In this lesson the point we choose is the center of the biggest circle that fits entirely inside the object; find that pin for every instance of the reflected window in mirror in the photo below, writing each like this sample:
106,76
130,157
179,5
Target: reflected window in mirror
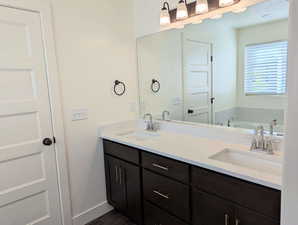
266,68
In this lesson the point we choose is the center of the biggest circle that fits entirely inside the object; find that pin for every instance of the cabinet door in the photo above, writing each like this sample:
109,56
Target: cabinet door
116,192
210,210
131,177
247,217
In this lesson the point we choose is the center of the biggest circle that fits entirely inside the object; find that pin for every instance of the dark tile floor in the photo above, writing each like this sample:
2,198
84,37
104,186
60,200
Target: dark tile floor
112,218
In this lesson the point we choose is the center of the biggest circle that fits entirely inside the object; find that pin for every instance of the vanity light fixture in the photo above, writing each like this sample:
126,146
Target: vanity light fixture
224,3
165,14
182,12
202,6
240,10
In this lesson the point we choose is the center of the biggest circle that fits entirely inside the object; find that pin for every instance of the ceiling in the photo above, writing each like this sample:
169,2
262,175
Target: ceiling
264,12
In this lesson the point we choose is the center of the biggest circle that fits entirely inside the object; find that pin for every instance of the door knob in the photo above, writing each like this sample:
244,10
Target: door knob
47,141
190,111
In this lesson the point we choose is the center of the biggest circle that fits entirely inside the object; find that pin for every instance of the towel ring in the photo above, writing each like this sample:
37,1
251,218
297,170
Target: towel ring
153,84
119,83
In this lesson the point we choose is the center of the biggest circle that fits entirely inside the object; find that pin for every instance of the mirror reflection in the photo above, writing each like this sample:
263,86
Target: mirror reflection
230,71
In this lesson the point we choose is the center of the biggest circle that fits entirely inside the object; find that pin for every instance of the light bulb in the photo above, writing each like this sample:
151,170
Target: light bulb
164,17
165,14
181,10
202,6
224,3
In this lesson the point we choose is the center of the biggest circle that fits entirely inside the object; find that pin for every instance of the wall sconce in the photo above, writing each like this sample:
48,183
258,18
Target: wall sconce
182,12
165,14
224,3
202,6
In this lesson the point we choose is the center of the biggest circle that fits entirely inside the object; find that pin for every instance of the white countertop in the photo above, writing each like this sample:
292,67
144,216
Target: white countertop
195,151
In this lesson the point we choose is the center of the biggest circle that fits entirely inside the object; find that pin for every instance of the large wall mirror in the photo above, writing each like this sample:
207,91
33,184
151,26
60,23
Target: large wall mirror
230,71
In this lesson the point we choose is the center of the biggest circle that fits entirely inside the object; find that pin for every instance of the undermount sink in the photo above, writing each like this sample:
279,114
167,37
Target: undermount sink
140,135
255,161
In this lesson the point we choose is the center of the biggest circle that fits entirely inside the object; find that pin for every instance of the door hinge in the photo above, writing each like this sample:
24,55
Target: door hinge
54,140
211,58
212,100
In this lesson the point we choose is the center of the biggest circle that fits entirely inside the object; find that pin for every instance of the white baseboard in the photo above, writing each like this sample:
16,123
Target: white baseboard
92,213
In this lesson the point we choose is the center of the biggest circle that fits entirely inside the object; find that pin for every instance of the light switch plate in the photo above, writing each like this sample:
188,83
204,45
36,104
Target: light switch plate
79,114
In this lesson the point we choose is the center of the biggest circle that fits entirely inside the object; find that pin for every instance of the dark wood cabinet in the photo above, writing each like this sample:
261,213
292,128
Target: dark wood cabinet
115,183
264,200
168,194
210,210
167,167
123,182
155,190
156,216
247,217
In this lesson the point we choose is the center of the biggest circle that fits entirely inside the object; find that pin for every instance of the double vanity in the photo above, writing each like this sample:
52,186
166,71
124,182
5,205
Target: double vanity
190,175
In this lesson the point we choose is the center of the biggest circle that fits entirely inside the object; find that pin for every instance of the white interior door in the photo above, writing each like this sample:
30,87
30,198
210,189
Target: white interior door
28,173
197,72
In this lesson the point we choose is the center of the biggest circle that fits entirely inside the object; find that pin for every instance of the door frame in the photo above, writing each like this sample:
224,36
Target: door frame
44,9
183,38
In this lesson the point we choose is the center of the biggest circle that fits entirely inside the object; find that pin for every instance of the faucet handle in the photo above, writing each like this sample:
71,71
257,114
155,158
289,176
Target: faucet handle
254,144
269,146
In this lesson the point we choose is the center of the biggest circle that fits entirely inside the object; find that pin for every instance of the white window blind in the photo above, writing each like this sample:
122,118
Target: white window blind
266,68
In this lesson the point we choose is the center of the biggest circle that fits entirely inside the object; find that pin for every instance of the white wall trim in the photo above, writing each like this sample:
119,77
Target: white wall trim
92,213
290,179
44,9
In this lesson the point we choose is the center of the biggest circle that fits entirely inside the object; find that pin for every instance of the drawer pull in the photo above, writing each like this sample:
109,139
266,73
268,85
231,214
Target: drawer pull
161,195
226,219
237,222
116,174
120,175
160,167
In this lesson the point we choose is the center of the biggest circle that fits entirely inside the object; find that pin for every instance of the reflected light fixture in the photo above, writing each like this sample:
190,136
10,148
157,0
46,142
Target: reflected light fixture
165,14
239,10
182,12
224,3
217,16
197,22
202,6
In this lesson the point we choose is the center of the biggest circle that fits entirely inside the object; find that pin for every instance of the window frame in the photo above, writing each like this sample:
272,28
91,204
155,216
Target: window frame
244,70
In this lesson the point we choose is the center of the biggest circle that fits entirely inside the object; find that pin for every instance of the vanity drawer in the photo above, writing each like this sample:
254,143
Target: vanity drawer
168,194
156,216
121,151
165,166
256,197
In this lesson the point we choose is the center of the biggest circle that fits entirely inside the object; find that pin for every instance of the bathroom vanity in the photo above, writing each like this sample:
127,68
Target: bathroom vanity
154,180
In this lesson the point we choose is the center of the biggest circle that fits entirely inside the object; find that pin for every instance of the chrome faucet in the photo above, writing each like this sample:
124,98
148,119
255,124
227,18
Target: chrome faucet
149,123
165,114
261,143
272,125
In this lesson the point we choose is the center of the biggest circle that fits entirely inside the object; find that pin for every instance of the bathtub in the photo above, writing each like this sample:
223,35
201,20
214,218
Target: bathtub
252,125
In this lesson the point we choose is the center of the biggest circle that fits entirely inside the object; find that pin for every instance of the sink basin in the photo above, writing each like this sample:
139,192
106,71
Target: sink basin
139,135
255,161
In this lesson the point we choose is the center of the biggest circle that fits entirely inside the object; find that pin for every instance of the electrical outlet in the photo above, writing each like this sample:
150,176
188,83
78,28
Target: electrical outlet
79,114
